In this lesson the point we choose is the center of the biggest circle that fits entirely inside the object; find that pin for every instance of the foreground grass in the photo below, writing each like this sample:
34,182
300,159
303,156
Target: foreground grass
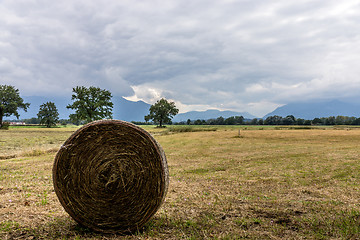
19,141
266,183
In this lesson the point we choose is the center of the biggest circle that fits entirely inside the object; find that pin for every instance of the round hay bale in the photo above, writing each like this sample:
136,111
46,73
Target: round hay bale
111,176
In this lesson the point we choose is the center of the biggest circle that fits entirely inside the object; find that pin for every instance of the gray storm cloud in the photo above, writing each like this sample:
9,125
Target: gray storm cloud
237,55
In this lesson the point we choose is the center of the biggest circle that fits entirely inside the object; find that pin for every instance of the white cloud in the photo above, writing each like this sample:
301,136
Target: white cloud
146,94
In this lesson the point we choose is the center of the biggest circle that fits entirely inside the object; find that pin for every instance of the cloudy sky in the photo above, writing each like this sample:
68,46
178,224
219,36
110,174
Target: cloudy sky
246,55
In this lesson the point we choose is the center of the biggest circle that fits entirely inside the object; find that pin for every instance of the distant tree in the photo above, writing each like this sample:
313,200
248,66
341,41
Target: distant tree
64,122
340,120
330,120
239,120
162,111
90,104
261,121
211,121
188,122
48,114
234,120
33,120
230,121
10,102
198,122
220,121
316,121
349,120
289,120
147,118
356,121
300,121
307,122
273,120
254,121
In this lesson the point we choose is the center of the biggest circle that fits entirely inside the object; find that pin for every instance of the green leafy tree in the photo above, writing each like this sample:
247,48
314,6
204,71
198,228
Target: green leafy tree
162,111
300,121
330,120
147,118
198,122
239,120
10,102
254,121
340,120
230,121
307,122
90,104
48,114
289,120
316,121
273,120
220,120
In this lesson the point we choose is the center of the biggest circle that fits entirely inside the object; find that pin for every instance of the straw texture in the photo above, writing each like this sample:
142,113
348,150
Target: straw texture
111,176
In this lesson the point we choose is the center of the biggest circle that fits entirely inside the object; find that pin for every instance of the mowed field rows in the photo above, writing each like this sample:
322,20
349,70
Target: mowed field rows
266,183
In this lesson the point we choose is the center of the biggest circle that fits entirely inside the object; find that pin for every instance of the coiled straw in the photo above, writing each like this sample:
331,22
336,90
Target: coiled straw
111,176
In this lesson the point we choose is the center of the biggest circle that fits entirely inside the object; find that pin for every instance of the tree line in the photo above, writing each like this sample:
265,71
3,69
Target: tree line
90,104
291,120
234,120
275,120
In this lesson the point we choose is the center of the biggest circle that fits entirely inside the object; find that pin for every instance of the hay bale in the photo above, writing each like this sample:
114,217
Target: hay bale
111,176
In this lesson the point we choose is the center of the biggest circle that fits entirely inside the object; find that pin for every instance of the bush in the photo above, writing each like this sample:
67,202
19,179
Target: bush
5,126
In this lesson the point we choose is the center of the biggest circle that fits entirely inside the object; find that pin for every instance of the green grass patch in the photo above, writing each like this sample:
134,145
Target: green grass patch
176,129
342,225
8,226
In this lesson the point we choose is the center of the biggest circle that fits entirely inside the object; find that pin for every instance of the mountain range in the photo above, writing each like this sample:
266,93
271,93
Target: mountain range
317,109
135,111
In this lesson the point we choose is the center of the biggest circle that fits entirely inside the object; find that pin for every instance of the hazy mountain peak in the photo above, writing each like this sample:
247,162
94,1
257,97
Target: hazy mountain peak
317,108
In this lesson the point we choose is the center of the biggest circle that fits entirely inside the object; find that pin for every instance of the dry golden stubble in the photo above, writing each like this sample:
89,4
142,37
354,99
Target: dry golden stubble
111,176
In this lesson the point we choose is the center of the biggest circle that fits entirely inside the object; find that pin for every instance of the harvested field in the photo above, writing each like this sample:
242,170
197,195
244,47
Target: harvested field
267,183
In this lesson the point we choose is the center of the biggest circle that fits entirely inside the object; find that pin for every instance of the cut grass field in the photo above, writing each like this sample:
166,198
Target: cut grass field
267,183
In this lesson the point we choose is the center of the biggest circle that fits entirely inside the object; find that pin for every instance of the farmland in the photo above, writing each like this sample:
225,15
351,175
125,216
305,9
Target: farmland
257,183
